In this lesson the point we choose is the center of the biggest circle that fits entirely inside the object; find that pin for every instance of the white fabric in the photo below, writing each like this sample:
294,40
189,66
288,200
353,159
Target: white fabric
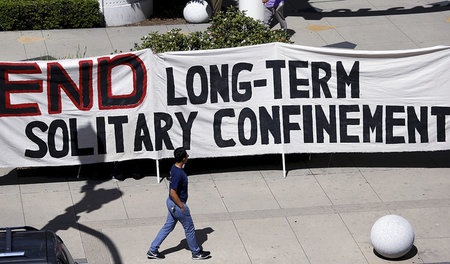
224,103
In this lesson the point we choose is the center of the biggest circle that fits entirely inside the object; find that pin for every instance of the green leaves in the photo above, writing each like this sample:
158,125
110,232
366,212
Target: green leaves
230,28
48,14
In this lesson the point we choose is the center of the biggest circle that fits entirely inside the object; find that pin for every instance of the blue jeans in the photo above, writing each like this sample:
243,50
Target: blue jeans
172,218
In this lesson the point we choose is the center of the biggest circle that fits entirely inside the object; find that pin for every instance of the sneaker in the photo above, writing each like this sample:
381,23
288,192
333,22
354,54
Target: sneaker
201,255
154,255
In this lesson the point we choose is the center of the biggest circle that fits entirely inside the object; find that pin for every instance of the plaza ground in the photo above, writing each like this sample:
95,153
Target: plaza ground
244,210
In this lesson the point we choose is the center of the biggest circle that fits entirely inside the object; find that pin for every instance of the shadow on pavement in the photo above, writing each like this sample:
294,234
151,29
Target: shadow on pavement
411,254
200,234
93,200
437,159
307,11
138,169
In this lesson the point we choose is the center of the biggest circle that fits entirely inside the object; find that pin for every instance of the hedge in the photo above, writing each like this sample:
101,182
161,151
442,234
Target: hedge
48,14
230,28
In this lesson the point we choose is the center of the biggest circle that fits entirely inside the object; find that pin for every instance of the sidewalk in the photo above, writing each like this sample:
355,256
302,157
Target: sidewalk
243,209
362,24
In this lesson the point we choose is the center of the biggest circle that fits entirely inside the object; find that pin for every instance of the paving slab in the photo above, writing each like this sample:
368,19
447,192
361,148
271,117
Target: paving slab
392,46
63,44
11,189
34,44
294,192
330,36
224,242
411,257
359,21
39,213
347,188
434,250
98,247
414,20
427,222
360,223
145,201
246,194
325,239
10,48
431,43
423,32
236,175
72,240
373,33
204,198
44,187
12,212
270,241
81,185
123,38
132,242
409,183
87,204
307,38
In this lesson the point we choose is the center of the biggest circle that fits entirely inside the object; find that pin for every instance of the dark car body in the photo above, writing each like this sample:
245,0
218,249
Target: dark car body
32,246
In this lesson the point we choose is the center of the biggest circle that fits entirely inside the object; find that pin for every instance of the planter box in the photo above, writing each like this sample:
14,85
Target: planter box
123,12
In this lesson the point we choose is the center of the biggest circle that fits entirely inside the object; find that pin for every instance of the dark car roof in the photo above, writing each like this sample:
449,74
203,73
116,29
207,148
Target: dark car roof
24,246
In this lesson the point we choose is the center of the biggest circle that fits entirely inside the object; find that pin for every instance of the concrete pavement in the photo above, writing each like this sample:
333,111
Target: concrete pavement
361,24
244,210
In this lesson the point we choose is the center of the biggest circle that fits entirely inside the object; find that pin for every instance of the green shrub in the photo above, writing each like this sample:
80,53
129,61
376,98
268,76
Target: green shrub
230,28
48,14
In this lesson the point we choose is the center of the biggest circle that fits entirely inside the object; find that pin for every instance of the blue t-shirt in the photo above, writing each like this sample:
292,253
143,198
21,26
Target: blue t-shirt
179,182
274,3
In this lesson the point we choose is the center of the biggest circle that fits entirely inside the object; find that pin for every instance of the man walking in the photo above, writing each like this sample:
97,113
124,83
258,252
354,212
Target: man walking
178,210
274,8
216,6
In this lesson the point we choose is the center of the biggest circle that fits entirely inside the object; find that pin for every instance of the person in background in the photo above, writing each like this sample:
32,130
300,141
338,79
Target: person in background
274,8
216,6
178,210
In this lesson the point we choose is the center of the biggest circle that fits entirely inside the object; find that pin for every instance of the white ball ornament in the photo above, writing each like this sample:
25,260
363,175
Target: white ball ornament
392,236
197,11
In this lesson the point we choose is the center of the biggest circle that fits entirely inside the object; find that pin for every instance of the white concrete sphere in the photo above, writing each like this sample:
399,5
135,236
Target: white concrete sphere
197,11
392,236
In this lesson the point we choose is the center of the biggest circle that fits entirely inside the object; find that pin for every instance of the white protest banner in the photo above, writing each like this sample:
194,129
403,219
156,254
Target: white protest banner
272,98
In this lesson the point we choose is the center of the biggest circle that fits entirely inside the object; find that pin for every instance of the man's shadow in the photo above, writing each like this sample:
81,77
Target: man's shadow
93,198
200,234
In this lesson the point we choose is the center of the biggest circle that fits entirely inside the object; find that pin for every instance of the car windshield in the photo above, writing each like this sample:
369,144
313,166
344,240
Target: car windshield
32,243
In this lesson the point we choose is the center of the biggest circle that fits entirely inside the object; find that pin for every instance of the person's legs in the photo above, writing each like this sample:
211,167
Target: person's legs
268,16
280,16
165,230
216,6
189,229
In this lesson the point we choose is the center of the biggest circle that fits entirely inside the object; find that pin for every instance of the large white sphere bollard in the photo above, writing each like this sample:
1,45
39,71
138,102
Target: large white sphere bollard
197,11
392,236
